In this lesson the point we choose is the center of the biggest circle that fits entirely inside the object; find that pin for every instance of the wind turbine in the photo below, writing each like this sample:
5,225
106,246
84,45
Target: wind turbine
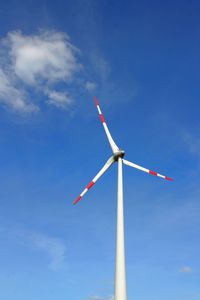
117,156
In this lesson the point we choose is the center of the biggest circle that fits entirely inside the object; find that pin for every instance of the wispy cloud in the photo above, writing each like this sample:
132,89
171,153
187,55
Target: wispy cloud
90,86
100,298
48,56
186,269
59,99
37,63
192,141
14,97
101,67
54,247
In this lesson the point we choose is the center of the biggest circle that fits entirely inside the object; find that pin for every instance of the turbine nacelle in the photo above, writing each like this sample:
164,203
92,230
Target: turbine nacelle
118,154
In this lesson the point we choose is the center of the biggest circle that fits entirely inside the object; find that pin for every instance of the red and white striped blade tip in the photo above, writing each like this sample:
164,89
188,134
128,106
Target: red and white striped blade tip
85,191
77,200
156,174
96,101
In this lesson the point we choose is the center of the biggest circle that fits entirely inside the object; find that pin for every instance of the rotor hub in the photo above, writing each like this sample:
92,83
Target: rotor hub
118,154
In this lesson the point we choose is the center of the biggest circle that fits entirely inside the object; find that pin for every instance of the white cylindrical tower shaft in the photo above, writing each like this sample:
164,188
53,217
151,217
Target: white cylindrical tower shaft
120,279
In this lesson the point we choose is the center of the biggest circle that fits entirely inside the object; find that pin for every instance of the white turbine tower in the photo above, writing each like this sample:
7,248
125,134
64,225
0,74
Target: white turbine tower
118,154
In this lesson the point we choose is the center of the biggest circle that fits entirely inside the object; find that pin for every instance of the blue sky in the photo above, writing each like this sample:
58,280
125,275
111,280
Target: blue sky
141,59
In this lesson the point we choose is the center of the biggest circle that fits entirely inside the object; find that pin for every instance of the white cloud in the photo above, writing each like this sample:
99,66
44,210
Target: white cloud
90,86
186,269
13,97
30,63
46,56
58,99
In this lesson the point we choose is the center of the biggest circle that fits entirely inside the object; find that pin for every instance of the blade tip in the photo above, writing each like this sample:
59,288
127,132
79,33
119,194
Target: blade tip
77,200
96,101
169,178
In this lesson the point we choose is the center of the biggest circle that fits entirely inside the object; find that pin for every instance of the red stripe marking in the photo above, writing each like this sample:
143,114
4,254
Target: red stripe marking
153,173
102,118
78,199
90,185
96,101
168,178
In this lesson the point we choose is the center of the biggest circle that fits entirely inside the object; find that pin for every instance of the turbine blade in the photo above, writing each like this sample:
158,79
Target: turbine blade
130,164
101,172
110,139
